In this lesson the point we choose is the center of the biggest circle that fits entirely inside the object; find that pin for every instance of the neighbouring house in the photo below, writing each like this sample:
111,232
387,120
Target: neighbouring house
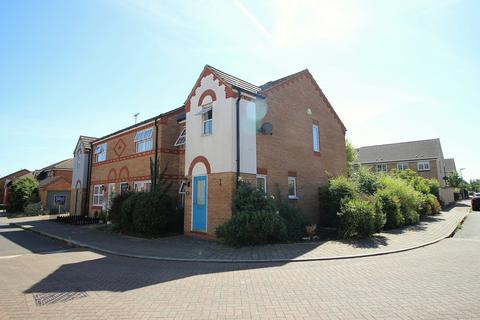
81,160
284,136
450,166
423,156
55,186
121,160
7,180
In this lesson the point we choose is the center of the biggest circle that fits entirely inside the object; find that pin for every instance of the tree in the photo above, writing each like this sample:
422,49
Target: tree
160,184
454,180
21,192
474,185
352,154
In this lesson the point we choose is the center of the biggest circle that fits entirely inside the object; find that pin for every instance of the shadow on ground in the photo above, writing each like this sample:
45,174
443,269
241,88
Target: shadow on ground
120,274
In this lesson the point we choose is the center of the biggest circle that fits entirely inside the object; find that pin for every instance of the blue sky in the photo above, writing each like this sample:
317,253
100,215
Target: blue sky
393,70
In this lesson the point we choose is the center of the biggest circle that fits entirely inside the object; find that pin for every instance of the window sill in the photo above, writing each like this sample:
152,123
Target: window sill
206,134
97,205
293,198
316,153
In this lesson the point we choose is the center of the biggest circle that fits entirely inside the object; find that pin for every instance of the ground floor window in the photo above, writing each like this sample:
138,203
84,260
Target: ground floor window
381,167
142,186
262,182
292,187
402,166
181,195
123,187
97,195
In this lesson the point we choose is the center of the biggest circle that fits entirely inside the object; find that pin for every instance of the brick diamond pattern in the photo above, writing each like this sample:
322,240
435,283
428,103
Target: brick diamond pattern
119,147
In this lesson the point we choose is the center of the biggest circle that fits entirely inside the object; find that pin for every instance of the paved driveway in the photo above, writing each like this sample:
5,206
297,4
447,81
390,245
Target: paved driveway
441,281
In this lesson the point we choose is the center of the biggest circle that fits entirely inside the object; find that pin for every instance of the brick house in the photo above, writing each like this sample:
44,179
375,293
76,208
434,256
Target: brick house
423,156
120,161
283,135
7,180
55,186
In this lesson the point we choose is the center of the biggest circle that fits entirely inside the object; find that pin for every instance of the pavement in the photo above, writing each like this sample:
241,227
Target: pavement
439,281
181,248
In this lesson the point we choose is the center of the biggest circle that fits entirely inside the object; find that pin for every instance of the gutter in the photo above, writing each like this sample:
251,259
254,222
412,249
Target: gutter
237,103
155,162
89,177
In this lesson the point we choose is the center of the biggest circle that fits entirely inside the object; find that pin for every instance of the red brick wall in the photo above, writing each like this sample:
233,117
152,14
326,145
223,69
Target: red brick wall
123,164
292,109
67,174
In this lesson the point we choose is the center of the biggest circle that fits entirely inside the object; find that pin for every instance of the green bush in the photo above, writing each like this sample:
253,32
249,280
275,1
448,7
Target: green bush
410,200
429,205
391,209
258,219
294,220
357,218
21,192
252,228
331,196
434,186
114,213
34,209
151,213
366,180
249,199
125,222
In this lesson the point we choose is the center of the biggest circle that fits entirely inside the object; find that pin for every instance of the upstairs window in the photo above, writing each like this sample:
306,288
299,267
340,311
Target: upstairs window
143,140
316,138
423,166
382,167
402,166
101,152
292,188
181,138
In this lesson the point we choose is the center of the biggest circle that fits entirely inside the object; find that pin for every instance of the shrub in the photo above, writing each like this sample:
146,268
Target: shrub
125,222
434,186
258,219
356,218
21,191
252,228
429,205
366,180
151,212
114,213
391,209
249,199
331,196
34,209
408,197
294,220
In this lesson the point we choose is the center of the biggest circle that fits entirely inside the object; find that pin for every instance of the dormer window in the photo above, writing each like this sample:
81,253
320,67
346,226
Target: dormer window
101,152
143,140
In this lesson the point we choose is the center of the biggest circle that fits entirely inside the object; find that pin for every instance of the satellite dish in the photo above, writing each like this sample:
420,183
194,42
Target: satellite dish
266,128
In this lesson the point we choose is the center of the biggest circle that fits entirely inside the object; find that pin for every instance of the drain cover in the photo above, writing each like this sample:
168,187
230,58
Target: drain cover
43,299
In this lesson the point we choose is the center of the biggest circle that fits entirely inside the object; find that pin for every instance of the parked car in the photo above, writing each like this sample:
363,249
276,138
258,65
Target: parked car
476,202
471,194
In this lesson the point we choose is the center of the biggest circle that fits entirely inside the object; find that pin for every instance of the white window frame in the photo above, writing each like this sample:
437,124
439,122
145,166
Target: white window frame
122,184
205,110
316,137
382,167
182,192
97,196
181,138
295,195
423,166
402,166
101,152
264,178
142,186
143,140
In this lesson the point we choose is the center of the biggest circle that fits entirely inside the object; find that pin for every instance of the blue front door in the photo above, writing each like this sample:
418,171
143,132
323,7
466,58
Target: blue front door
199,204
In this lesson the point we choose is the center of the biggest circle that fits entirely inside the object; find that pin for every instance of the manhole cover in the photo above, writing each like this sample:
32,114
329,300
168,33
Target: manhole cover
43,299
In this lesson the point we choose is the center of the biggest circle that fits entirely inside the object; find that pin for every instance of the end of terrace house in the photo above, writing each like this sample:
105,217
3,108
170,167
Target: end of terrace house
284,136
